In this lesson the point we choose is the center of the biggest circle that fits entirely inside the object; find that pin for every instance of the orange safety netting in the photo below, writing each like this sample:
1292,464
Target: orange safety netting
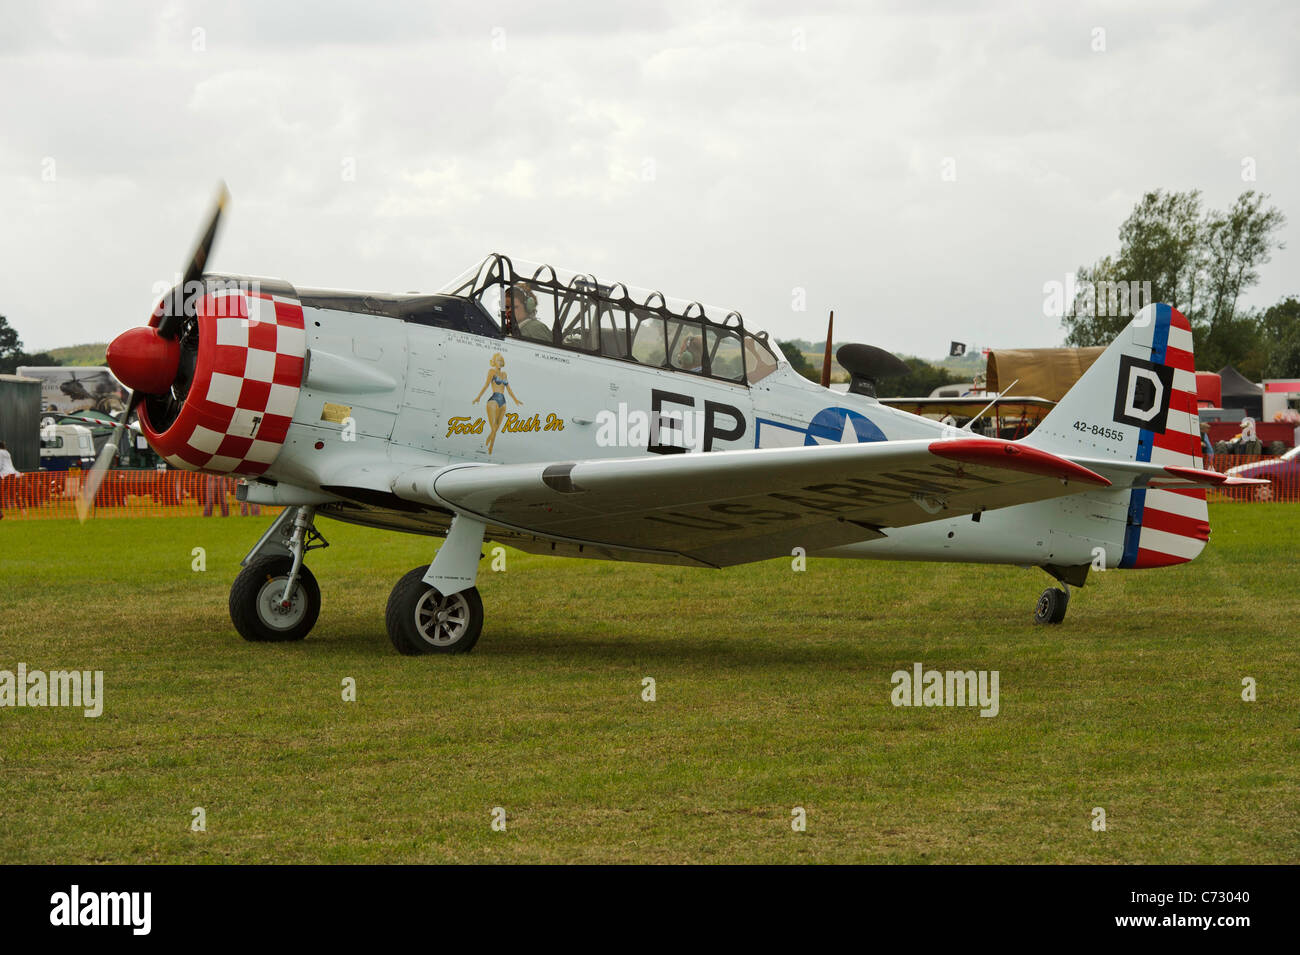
1283,477
38,495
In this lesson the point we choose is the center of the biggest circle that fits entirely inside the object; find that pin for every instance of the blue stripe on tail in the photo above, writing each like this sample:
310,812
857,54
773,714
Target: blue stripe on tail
1138,497
1160,336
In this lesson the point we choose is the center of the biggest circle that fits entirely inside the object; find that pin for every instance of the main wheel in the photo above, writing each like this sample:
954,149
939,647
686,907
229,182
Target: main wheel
1052,604
422,620
255,604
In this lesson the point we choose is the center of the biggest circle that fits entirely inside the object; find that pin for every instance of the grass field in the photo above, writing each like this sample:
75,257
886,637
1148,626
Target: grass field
773,692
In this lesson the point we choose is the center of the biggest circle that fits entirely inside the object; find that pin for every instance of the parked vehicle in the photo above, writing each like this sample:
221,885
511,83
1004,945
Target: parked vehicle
1283,475
66,446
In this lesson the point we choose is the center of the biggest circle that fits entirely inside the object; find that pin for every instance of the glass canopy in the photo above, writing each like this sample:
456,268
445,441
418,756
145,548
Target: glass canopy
575,311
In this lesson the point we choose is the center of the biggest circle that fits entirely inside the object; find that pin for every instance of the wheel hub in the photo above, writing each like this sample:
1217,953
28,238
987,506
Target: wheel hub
441,620
273,611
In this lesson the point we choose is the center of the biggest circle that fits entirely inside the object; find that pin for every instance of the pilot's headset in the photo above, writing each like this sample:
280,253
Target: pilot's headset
530,301
692,352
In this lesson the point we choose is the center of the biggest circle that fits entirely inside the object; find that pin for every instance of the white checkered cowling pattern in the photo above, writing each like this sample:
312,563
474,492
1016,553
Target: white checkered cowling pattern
245,388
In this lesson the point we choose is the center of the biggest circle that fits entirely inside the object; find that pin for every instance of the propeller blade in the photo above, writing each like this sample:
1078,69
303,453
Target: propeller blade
826,358
173,310
90,486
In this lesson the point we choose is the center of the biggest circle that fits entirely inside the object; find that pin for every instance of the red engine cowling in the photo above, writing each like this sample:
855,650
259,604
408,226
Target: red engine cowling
247,376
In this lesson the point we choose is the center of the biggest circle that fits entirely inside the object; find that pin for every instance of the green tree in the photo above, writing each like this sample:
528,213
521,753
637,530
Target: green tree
9,343
1199,261
1280,331
1237,243
799,362
1232,340
12,354
1087,324
1163,242
922,379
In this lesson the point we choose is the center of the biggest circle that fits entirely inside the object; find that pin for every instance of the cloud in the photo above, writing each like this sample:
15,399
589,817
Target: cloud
725,152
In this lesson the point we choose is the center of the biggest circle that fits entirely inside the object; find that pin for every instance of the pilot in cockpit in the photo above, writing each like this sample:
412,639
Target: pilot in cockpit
521,315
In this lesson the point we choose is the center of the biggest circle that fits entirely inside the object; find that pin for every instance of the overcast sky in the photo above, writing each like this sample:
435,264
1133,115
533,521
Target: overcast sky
923,169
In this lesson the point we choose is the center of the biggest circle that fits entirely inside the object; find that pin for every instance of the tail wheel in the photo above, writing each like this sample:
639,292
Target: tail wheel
1052,604
421,619
256,605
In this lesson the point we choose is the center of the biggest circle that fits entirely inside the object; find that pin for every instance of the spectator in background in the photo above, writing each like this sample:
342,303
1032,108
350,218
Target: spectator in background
1247,442
1207,449
8,484
215,488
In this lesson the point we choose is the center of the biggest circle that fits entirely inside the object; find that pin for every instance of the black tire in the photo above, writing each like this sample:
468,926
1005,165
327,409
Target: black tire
257,586
412,623
1052,604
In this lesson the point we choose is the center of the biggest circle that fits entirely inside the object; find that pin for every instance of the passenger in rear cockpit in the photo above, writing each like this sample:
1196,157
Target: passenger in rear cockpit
691,356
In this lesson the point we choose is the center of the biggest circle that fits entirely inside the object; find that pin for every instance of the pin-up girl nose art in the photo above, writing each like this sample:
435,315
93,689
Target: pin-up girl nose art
499,382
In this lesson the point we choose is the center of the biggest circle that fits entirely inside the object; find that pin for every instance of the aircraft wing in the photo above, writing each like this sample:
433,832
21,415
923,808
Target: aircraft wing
731,507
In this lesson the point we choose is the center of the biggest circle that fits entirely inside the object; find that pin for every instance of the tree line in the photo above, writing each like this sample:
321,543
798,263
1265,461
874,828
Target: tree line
12,354
1173,249
1201,261
922,377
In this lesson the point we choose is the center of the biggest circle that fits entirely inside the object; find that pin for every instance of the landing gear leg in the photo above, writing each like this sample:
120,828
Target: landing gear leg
436,608
276,598
1053,602
298,547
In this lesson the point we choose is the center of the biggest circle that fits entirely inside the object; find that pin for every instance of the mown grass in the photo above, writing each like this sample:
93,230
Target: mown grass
773,692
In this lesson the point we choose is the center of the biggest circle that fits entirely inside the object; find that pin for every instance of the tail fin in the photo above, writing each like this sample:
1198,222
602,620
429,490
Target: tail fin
1137,402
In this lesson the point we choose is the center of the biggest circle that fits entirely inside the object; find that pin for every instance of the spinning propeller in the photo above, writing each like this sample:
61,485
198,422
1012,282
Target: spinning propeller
146,358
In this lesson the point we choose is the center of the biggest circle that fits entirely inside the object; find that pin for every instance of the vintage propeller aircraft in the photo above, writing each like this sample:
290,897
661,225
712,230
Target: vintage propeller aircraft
560,414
